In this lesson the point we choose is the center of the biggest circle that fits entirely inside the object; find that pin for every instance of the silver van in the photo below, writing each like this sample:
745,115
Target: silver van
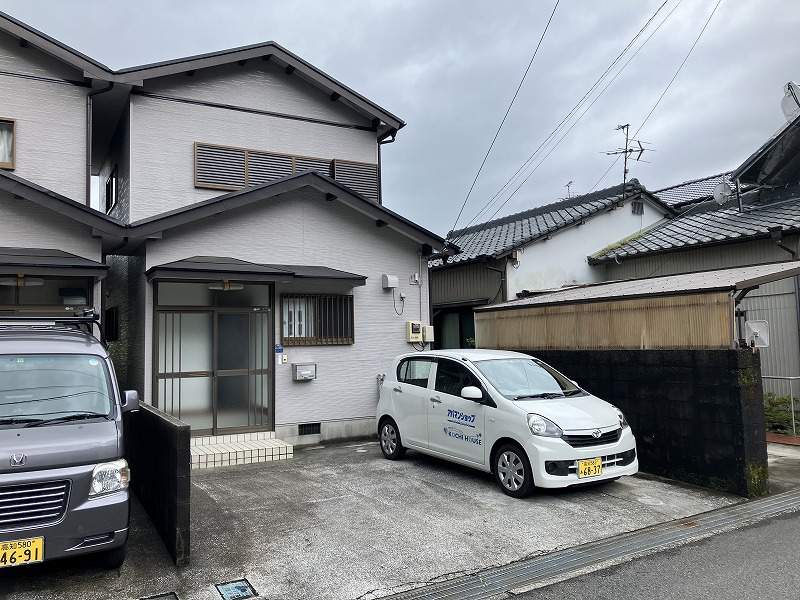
63,479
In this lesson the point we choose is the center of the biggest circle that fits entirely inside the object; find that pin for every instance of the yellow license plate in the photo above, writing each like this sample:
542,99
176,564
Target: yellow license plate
21,552
591,467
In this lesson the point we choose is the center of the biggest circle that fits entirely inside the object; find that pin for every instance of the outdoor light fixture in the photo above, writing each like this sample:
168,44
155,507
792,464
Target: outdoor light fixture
21,281
226,286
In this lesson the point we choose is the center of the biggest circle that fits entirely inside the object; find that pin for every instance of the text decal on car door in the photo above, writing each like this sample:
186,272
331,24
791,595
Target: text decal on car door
456,416
460,435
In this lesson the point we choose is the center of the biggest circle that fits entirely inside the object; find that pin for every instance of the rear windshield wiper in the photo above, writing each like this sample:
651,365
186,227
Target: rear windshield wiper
574,392
67,418
540,395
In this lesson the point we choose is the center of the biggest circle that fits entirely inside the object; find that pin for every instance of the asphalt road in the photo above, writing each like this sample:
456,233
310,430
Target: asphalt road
757,562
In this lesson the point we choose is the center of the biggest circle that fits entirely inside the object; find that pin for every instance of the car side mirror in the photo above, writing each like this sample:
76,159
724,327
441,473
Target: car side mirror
471,392
130,401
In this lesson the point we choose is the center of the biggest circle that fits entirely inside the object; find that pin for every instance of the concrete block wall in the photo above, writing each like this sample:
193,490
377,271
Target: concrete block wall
698,415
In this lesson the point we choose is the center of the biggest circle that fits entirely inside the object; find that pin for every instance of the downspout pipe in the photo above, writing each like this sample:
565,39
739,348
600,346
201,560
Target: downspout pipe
89,97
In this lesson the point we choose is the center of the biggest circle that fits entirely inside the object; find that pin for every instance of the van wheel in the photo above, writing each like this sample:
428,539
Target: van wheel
114,559
513,471
389,438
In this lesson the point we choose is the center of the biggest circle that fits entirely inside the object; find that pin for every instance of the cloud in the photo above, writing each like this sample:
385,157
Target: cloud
450,67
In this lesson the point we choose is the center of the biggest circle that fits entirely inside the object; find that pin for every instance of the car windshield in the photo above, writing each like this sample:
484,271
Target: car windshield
522,378
40,388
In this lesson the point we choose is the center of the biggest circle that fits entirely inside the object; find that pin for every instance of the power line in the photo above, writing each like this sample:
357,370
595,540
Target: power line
666,89
586,110
573,110
508,110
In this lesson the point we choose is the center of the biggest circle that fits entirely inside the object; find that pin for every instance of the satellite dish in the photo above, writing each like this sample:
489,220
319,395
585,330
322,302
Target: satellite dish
791,101
722,192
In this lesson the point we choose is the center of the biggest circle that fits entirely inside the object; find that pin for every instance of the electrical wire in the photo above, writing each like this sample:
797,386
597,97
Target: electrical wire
573,110
402,305
666,89
505,116
586,110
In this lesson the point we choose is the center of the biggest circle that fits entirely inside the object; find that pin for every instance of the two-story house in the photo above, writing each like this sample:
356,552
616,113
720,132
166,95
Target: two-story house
241,238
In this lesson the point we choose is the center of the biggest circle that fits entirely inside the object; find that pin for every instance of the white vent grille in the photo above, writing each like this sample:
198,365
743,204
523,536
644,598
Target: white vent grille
263,167
320,165
360,177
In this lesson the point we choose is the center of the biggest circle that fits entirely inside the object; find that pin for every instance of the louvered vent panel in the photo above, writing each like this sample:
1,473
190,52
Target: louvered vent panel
322,166
220,168
361,177
263,167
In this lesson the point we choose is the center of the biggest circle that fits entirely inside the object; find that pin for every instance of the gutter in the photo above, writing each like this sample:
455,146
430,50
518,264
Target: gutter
89,97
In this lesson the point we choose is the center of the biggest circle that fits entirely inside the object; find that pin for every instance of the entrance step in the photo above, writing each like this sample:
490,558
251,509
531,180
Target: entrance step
238,449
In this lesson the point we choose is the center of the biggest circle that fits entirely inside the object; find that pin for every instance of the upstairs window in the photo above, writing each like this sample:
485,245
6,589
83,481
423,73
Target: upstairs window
637,207
7,143
111,190
317,320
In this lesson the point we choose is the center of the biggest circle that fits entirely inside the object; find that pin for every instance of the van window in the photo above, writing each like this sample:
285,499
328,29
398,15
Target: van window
414,371
452,377
44,387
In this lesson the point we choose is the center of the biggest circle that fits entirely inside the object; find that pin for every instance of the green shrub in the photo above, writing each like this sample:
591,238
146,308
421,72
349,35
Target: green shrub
778,413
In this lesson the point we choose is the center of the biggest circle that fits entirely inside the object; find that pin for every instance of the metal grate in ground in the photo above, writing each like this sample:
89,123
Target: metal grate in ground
500,582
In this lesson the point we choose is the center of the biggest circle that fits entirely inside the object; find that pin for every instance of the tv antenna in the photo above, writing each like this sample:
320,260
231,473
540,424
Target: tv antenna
633,150
569,194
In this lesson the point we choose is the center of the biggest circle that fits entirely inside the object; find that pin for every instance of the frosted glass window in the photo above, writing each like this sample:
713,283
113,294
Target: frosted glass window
184,294
6,144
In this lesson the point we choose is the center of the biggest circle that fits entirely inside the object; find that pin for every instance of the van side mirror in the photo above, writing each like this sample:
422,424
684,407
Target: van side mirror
130,401
471,392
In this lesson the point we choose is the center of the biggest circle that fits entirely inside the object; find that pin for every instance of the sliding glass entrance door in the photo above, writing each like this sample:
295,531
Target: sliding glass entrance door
212,366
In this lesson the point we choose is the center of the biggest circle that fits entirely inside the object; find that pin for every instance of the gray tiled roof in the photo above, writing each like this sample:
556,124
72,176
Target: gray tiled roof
707,223
500,236
690,192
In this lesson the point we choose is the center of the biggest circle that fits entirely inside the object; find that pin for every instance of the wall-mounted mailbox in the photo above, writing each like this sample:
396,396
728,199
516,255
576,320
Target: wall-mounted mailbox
304,371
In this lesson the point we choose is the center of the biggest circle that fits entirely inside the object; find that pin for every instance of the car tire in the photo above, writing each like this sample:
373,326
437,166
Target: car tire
113,559
512,470
389,440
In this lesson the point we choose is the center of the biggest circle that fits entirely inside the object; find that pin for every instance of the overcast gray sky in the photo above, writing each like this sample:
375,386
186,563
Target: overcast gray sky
450,67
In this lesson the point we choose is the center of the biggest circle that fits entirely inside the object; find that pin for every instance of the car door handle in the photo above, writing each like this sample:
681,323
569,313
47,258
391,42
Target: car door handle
398,389
435,400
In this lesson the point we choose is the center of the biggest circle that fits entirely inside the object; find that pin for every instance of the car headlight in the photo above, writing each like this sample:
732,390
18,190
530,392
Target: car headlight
110,477
543,427
623,422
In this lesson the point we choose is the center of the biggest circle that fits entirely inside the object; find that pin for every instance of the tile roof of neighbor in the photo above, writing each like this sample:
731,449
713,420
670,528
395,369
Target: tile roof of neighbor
736,278
690,192
708,223
498,237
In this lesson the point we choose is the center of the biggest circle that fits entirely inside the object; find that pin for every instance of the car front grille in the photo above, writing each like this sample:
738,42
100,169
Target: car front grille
32,504
582,441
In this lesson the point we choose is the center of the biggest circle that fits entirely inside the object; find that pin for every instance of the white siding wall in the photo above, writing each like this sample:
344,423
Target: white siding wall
26,225
562,259
164,133
50,119
303,228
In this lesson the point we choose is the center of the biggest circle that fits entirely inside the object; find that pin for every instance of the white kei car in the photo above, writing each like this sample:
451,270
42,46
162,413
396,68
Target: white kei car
506,413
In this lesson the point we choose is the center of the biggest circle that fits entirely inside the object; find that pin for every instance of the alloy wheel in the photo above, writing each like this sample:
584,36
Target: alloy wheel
511,470
388,439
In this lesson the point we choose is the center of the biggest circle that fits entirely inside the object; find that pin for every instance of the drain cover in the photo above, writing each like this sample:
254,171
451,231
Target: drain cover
236,590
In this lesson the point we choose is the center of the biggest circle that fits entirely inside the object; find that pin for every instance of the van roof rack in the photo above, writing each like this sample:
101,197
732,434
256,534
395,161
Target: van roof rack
87,318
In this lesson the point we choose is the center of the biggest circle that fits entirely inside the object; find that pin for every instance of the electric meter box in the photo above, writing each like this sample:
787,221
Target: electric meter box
304,371
413,331
427,334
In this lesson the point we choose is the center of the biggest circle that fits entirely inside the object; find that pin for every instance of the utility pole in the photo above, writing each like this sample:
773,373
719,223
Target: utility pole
632,149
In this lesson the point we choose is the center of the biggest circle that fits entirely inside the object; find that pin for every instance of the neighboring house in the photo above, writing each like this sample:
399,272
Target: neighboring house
683,195
535,250
241,229
706,236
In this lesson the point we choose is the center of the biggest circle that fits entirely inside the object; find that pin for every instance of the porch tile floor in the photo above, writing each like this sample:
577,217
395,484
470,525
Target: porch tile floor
238,449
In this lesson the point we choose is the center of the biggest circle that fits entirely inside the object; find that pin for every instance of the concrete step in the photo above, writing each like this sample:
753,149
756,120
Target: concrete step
244,452
208,440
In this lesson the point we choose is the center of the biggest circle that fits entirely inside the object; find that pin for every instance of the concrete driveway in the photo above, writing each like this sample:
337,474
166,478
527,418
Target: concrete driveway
343,523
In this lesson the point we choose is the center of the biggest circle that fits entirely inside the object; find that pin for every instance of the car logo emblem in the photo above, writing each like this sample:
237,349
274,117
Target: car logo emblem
18,460
596,433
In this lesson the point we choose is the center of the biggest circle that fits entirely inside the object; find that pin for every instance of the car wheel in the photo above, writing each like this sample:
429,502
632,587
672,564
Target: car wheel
389,438
513,471
113,559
